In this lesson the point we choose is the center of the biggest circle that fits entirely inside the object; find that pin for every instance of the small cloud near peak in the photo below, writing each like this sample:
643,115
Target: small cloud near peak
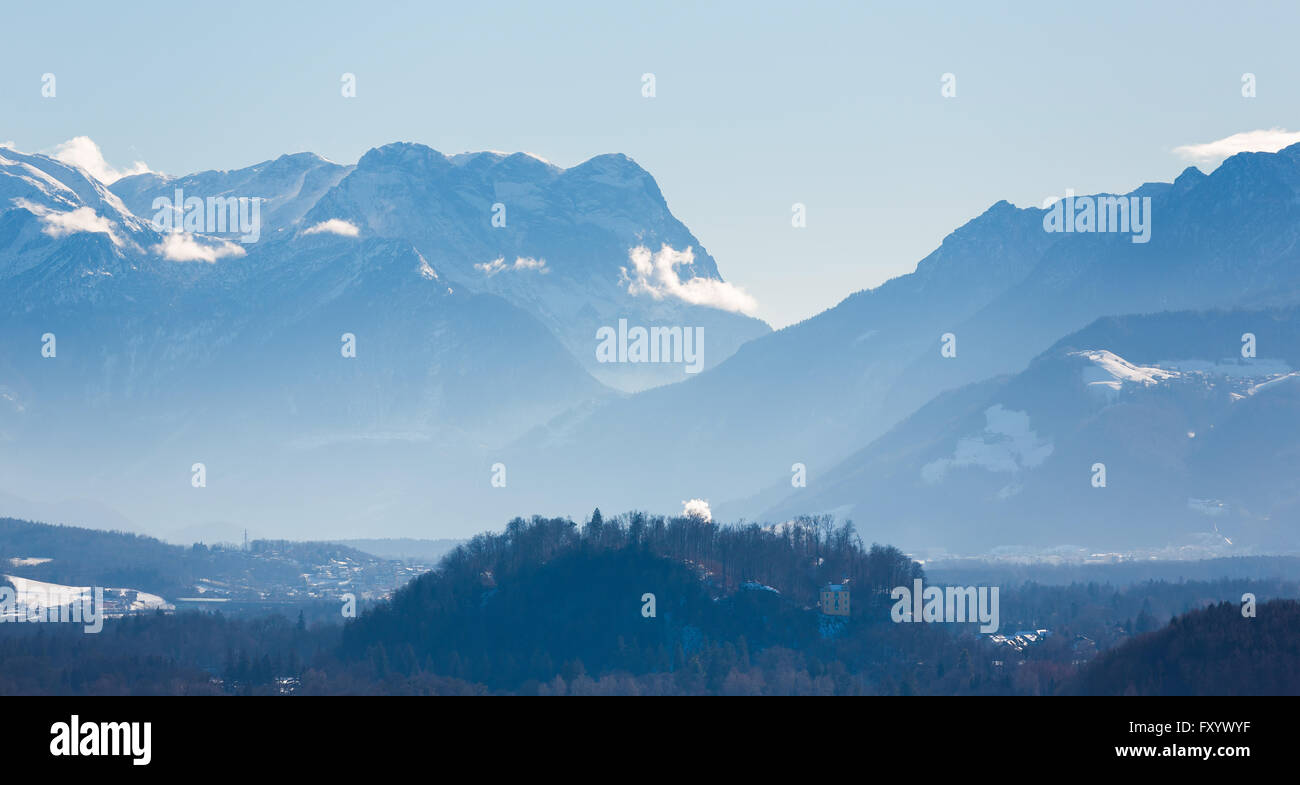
83,152
655,274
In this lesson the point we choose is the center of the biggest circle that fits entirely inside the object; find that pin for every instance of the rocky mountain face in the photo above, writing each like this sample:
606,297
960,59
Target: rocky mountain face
556,242
355,322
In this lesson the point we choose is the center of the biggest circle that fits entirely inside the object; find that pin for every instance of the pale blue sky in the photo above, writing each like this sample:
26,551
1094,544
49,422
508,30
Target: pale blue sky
759,105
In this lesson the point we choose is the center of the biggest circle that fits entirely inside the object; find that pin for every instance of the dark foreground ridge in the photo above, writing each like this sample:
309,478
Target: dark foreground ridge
647,605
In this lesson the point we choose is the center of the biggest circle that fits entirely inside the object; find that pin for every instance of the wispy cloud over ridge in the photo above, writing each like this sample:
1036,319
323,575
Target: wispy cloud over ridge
185,247
61,224
1259,141
655,274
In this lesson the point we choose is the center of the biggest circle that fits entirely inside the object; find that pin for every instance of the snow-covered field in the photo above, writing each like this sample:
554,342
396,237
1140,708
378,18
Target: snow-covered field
36,596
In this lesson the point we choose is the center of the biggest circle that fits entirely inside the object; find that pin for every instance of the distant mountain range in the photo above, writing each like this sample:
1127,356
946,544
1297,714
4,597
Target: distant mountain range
958,408
172,349
1145,431
1006,290
553,242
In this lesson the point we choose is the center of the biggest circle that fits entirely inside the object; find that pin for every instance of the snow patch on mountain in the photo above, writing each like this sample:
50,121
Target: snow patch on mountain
43,182
1272,382
45,186
39,594
287,186
32,595
426,270
521,263
1108,372
1007,444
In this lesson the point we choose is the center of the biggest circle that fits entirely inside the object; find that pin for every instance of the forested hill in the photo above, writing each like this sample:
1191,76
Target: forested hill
544,599
1213,651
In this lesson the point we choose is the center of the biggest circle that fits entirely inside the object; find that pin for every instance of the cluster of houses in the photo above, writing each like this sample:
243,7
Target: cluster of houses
1019,641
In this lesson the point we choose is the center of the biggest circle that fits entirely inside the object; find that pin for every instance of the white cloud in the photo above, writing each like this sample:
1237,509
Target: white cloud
62,224
185,247
697,508
82,151
521,263
82,219
334,226
655,274
10,145
1261,141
